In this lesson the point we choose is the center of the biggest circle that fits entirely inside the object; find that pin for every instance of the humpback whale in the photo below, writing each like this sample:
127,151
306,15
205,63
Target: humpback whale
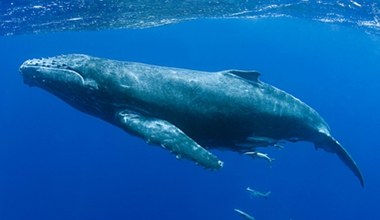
185,111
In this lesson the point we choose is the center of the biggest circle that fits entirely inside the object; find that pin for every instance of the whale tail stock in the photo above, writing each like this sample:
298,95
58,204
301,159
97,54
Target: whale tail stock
329,144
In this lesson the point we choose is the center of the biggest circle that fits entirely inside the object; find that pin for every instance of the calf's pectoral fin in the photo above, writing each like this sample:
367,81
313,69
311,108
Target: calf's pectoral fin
165,134
331,145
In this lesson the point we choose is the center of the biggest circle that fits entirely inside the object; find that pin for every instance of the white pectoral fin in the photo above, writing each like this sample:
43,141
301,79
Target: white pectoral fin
165,134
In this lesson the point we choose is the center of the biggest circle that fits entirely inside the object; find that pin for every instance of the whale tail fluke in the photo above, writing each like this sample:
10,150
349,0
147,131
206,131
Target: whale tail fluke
329,144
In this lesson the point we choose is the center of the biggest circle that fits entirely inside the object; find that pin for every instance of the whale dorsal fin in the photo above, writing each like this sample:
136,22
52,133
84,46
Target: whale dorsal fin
250,75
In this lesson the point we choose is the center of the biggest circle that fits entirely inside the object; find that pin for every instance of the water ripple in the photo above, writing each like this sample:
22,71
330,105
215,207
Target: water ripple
26,16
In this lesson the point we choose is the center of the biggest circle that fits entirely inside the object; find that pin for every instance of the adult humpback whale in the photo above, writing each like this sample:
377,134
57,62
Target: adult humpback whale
183,110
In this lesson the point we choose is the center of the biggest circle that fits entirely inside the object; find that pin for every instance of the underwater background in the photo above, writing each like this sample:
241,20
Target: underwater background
59,163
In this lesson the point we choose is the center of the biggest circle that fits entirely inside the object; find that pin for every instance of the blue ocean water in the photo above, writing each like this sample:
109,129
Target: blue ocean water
58,163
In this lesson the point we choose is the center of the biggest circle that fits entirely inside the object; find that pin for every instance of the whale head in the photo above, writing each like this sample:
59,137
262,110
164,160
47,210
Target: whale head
85,82
51,73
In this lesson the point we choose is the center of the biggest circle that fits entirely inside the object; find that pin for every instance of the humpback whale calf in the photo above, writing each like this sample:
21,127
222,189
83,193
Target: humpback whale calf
185,111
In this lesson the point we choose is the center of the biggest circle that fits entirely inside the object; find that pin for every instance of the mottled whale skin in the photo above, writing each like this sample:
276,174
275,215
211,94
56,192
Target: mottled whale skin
185,111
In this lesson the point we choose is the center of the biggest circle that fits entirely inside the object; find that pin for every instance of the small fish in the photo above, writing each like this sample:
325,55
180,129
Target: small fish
245,215
256,154
258,194
278,146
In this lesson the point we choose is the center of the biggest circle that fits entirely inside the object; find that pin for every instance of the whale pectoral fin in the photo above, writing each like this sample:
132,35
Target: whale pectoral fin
333,146
165,134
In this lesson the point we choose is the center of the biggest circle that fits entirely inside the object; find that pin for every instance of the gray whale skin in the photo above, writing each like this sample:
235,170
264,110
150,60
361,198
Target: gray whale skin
185,111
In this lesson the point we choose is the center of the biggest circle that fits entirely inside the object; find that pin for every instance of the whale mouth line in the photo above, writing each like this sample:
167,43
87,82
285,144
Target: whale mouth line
73,71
